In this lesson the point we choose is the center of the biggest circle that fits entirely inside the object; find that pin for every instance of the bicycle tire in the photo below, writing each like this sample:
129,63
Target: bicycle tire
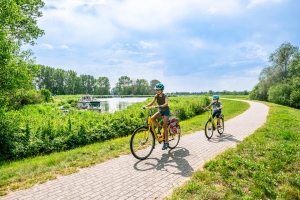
142,143
209,130
174,138
221,130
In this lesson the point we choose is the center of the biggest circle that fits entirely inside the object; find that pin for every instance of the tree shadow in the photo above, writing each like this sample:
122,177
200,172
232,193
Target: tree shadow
172,162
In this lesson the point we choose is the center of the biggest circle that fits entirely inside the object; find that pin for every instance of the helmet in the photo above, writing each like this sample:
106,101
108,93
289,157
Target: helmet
215,97
159,86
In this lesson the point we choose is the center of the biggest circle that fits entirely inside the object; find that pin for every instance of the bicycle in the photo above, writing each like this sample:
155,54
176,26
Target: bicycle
143,138
211,126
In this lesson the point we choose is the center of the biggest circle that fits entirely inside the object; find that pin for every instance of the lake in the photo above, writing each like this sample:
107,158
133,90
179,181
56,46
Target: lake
115,104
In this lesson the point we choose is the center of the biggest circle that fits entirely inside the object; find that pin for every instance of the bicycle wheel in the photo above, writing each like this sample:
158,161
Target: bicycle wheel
174,138
221,129
209,129
142,143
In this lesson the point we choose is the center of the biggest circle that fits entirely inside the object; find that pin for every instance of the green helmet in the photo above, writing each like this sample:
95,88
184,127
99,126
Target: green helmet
215,97
159,86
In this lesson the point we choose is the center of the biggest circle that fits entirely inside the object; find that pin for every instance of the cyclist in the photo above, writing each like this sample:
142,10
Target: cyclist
217,106
164,110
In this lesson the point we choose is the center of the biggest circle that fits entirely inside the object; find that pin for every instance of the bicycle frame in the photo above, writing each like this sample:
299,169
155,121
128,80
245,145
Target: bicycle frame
211,118
151,127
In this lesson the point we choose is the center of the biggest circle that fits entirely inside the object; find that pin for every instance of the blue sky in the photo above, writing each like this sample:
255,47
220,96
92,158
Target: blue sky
188,45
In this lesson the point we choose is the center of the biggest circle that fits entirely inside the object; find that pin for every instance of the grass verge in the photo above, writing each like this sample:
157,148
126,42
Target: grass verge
264,166
28,172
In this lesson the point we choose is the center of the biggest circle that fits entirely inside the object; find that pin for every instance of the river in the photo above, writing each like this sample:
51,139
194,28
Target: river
115,104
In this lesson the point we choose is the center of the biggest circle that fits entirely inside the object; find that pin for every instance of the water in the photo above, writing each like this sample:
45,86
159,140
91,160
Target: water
115,104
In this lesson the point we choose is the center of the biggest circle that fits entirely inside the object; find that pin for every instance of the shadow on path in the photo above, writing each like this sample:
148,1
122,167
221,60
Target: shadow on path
172,162
224,137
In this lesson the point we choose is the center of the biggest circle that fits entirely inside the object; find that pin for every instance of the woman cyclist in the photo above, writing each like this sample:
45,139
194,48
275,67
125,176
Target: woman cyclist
164,110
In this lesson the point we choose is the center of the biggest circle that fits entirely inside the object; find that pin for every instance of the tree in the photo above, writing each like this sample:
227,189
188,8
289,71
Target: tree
281,59
102,86
18,26
124,85
142,87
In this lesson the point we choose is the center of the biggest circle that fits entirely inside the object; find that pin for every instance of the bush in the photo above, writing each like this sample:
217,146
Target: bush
22,97
47,95
280,94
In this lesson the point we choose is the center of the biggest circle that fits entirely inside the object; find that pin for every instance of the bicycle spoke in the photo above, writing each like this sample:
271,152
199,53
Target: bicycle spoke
142,143
174,137
209,129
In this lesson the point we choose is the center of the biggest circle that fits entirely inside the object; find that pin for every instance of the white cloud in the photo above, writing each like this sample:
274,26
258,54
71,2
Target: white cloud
254,3
46,46
64,47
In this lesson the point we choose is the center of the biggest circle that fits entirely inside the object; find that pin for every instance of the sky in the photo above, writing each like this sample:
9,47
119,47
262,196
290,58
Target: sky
188,45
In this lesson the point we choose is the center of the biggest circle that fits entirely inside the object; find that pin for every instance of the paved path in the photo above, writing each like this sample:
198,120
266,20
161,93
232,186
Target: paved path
154,178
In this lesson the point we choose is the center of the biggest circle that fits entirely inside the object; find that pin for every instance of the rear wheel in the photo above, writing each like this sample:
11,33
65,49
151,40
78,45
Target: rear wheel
209,129
142,143
221,128
174,138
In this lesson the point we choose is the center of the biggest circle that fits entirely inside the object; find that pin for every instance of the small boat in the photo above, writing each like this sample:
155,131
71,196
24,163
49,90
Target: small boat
87,102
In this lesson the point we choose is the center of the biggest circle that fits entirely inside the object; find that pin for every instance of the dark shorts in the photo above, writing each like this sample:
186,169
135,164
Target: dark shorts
167,114
216,113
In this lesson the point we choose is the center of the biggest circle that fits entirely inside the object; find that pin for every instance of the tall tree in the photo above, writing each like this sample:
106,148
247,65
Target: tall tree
18,26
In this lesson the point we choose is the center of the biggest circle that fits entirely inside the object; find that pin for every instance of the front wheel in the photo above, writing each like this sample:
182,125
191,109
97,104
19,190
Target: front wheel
209,130
142,143
221,128
174,137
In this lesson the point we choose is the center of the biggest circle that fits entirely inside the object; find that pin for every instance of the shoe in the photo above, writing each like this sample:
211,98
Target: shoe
158,130
165,146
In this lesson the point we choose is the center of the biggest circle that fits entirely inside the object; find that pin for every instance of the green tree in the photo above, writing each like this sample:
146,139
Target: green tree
102,86
18,26
142,87
124,85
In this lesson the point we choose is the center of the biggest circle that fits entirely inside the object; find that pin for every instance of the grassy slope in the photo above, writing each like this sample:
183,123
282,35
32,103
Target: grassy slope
266,165
25,173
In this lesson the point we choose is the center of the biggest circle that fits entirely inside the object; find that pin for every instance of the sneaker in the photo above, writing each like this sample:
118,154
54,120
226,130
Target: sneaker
165,146
158,130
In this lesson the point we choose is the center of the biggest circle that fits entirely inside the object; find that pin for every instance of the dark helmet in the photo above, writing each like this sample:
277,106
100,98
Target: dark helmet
159,86
215,97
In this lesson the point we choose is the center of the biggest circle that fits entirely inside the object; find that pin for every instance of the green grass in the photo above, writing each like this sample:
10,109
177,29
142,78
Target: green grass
266,165
28,172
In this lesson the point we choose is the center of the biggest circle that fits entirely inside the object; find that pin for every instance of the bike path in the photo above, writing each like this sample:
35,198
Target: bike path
154,178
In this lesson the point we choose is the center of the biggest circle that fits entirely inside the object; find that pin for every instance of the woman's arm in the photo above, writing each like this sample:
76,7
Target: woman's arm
151,103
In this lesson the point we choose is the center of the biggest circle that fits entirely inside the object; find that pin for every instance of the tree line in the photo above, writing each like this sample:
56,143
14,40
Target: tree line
280,82
62,82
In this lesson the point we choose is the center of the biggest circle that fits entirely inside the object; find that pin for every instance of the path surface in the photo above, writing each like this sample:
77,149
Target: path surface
154,178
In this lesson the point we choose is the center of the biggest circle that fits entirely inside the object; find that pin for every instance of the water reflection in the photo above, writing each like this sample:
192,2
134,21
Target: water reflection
115,104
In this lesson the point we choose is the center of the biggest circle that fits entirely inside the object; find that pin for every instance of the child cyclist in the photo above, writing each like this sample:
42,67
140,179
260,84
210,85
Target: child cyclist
164,110
217,106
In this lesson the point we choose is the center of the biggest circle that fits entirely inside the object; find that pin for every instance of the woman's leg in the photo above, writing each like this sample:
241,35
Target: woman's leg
154,119
166,119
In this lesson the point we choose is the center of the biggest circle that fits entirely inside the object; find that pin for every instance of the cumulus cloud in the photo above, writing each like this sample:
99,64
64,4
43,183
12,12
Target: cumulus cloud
46,46
64,47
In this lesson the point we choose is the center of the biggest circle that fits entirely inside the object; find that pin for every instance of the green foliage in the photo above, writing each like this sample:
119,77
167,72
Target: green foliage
43,129
18,26
47,95
22,97
280,82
